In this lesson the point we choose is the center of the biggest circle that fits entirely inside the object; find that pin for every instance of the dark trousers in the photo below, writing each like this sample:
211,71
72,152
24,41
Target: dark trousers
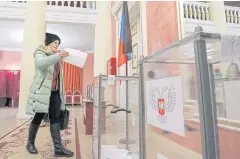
46,118
54,110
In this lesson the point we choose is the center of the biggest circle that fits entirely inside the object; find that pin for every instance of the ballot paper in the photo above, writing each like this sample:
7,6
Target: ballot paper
112,152
76,57
160,156
105,149
116,154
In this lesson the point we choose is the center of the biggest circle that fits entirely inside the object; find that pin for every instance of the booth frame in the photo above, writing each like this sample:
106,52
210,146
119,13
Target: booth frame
205,87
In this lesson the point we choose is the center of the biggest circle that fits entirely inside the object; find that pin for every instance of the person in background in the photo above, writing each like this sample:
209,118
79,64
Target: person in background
217,74
46,94
8,102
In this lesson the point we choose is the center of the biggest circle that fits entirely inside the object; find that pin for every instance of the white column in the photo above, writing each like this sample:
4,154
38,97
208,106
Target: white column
103,44
103,40
143,23
217,12
218,16
34,35
180,18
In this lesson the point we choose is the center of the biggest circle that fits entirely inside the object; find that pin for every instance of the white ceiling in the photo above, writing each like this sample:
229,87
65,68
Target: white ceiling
75,36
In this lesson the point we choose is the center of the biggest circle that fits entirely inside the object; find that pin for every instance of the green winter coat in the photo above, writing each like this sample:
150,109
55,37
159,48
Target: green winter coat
40,90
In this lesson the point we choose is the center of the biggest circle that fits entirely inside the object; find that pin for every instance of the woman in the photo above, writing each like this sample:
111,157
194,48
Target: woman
47,94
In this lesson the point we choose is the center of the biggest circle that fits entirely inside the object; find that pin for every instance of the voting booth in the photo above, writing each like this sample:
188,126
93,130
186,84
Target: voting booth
116,136
188,109
184,104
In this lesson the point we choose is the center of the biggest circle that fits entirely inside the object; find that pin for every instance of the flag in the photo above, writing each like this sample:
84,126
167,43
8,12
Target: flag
125,42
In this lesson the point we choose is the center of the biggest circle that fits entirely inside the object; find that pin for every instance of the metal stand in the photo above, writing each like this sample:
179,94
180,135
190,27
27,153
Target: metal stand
126,140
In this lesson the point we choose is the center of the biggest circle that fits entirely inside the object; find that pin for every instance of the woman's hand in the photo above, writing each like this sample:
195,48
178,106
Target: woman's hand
63,53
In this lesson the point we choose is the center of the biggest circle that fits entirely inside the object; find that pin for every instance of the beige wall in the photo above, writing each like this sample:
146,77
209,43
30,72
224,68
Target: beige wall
10,60
87,72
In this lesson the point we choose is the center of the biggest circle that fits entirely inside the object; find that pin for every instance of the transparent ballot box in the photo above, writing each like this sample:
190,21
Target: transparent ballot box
190,100
116,117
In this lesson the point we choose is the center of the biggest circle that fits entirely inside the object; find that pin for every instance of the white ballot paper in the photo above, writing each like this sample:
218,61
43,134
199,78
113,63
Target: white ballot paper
76,57
116,154
160,156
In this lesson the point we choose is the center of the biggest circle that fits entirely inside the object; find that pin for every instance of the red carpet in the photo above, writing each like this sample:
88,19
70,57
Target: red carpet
78,152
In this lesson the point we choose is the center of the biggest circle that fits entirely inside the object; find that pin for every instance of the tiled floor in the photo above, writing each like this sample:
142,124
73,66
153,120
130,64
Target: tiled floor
170,145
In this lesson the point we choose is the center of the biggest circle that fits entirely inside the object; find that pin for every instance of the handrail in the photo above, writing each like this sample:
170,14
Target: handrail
71,4
196,10
232,14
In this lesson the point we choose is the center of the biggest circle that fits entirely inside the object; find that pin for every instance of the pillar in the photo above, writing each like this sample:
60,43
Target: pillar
34,35
143,21
103,43
180,18
217,13
103,38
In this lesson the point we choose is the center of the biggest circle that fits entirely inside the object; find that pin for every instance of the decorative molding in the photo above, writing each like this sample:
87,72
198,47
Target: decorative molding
118,6
14,11
190,24
135,56
196,10
208,26
17,11
134,29
71,15
233,29
232,14
195,21
117,10
197,13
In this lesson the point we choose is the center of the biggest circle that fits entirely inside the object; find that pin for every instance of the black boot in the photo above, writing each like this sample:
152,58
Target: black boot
59,150
33,129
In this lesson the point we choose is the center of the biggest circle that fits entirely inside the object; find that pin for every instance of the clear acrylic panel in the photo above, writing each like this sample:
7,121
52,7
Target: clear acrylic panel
226,77
171,103
95,119
118,136
167,135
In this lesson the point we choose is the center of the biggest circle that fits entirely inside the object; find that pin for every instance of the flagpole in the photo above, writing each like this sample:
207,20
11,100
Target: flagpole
125,49
127,108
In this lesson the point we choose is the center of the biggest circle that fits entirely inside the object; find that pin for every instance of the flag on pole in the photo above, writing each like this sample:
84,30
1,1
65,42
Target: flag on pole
125,42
